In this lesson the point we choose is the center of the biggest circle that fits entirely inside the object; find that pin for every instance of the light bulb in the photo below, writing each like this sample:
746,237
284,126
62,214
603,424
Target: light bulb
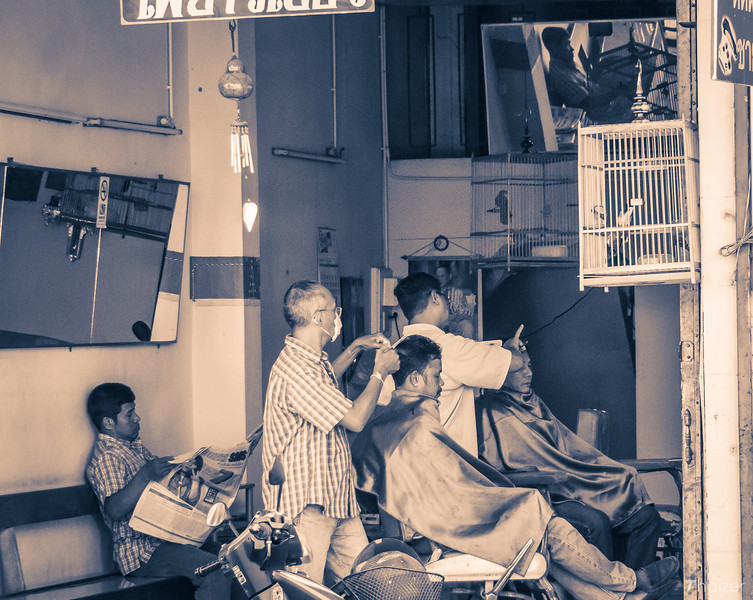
250,209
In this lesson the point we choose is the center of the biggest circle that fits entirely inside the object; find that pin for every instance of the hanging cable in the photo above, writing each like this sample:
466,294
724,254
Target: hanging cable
562,314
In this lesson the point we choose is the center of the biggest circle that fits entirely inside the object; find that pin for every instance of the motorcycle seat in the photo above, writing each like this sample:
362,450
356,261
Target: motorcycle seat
458,567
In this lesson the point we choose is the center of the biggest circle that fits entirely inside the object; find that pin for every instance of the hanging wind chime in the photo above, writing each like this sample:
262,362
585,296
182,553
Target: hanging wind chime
236,84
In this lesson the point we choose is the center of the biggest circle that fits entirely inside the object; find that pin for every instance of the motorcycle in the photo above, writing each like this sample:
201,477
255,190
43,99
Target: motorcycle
261,556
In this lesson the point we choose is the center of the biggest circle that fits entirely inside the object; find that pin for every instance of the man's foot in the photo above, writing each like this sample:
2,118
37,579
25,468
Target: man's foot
656,574
660,591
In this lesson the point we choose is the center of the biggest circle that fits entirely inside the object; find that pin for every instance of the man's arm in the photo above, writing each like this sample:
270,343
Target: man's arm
466,362
121,503
386,362
516,348
365,342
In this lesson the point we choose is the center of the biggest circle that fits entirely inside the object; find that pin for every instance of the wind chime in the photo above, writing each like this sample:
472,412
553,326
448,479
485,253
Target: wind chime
236,84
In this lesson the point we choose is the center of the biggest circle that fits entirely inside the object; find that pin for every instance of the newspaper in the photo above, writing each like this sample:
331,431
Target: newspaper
175,507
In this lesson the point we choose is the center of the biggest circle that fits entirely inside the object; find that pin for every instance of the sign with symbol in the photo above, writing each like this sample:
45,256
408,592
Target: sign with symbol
102,197
732,39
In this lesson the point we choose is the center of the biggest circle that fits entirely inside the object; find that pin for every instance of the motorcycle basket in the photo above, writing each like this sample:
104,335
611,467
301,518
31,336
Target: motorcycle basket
391,583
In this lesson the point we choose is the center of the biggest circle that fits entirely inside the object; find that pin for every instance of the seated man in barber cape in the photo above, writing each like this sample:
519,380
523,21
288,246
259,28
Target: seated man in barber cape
605,500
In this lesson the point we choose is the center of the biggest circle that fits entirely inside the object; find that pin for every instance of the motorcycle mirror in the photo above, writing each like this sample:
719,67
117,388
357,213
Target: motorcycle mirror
277,473
217,514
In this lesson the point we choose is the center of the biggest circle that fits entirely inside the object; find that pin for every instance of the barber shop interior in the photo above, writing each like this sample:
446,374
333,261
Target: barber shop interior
376,300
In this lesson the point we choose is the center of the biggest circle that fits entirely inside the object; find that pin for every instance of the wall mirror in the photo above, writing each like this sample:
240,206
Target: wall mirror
89,258
544,79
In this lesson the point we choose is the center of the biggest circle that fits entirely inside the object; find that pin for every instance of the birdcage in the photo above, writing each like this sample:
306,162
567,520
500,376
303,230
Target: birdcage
638,196
524,207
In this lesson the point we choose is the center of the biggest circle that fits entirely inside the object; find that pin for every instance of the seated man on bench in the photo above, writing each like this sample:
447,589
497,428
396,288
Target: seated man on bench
602,498
119,470
430,483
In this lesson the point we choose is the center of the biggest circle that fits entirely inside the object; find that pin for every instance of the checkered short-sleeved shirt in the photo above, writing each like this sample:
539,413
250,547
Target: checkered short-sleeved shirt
113,464
301,424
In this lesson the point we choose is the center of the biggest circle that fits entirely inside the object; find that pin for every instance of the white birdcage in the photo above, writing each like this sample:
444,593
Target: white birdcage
638,196
524,207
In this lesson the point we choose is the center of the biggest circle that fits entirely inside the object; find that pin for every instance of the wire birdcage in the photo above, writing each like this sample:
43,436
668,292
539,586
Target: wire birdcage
638,196
392,583
524,207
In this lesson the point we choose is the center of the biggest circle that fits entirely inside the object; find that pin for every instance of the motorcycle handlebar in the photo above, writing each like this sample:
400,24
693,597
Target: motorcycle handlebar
208,568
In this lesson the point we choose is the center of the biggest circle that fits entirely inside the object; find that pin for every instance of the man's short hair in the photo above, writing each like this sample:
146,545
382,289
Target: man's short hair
414,291
106,400
300,301
415,352
551,36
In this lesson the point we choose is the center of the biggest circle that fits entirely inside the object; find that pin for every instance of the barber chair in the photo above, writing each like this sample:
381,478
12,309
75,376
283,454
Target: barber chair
593,427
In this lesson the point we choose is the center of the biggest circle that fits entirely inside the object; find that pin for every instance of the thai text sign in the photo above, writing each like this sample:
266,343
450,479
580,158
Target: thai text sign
163,11
733,41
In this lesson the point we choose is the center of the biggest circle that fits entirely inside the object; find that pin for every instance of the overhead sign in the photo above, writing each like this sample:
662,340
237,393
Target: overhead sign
164,11
733,36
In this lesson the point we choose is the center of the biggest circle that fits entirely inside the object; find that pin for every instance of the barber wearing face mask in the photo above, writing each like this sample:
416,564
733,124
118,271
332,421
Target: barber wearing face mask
305,421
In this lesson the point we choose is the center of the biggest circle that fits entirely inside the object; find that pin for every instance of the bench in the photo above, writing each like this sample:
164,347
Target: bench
54,546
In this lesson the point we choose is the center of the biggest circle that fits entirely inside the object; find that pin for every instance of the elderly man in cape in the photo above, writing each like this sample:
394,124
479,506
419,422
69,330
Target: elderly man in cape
517,430
430,483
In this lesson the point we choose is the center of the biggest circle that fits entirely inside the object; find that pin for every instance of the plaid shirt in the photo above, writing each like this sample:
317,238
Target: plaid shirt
566,85
113,464
301,416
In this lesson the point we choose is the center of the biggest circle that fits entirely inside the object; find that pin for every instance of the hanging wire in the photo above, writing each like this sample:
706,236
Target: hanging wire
563,313
232,25
432,244
747,237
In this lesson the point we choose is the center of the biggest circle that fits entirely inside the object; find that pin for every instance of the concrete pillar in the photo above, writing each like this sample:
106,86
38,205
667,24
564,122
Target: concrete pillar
721,480
215,230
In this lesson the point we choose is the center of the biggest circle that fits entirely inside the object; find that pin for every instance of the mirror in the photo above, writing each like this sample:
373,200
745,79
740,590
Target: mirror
544,79
89,258
217,514
277,472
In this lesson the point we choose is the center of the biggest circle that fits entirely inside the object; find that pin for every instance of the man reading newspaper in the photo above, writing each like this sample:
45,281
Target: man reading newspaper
175,507
120,469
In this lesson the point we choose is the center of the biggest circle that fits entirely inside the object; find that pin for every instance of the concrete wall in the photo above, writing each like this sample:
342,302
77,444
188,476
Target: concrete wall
657,386
295,111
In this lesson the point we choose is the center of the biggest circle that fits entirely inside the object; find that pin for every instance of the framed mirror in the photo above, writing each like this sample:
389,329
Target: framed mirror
544,79
89,258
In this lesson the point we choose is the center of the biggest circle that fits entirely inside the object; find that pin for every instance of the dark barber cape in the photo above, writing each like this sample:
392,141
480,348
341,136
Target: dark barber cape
428,482
518,431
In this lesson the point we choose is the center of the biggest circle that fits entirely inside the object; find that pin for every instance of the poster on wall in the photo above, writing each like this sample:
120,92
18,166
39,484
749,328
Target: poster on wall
733,31
133,12
327,261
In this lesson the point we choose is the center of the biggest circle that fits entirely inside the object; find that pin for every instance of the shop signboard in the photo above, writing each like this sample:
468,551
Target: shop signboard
733,41
164,11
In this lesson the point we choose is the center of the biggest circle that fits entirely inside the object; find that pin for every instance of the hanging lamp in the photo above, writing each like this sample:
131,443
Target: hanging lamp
236,84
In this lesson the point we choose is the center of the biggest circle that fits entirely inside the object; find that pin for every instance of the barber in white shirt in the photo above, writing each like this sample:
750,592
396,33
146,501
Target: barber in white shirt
467,365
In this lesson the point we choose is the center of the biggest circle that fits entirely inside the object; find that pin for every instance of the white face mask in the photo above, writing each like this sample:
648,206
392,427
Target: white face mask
338,325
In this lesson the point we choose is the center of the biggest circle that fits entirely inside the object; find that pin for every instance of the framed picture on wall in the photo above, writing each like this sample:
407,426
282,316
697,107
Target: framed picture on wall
327,261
